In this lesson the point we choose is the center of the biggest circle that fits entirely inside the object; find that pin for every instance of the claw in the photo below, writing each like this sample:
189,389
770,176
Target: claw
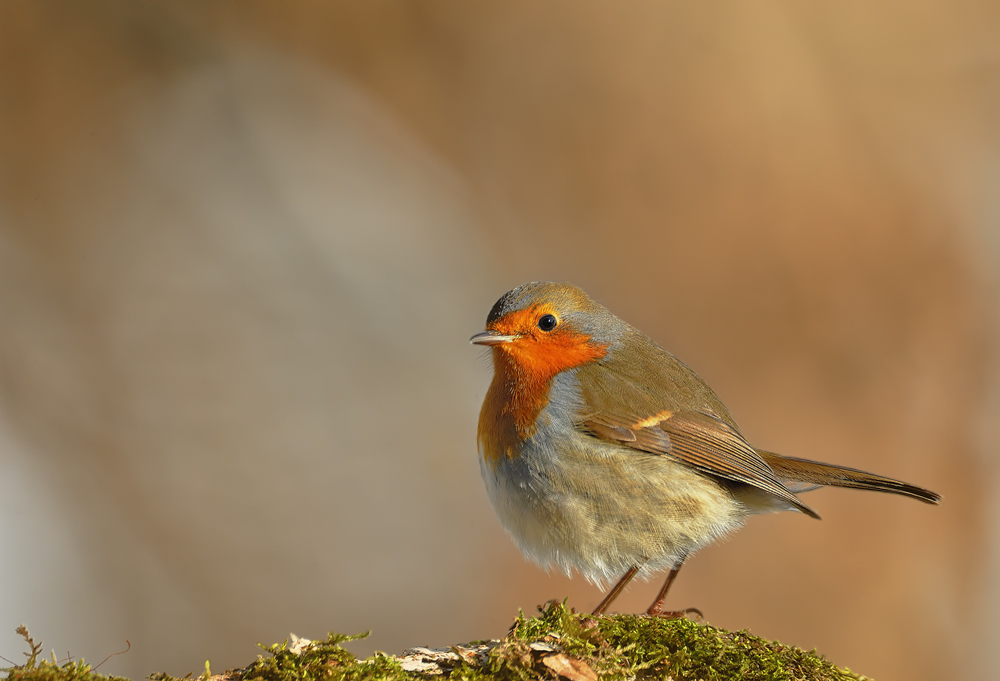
676,614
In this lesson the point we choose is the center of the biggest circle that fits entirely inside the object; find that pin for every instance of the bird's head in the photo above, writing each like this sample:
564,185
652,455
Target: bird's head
543,328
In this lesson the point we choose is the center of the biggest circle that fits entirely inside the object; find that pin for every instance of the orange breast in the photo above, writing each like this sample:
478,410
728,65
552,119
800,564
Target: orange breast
522,376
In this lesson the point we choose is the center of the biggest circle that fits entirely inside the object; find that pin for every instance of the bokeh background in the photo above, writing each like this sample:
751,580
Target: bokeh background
243,247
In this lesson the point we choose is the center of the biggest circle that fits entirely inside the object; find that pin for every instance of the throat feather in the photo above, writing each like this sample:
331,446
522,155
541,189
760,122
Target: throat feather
511,409
522,381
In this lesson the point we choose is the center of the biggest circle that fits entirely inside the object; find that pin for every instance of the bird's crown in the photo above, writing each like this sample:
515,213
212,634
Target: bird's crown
567,304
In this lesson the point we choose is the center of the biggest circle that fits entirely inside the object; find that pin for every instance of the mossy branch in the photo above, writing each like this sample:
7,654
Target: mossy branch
557,644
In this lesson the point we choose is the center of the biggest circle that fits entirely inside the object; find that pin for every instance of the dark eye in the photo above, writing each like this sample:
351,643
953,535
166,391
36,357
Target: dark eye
547,322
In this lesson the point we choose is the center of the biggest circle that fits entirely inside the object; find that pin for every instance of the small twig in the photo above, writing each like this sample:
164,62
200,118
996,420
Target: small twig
36,648
120,652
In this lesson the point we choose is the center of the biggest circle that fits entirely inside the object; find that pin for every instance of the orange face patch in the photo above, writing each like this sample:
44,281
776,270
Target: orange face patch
538,354
523,370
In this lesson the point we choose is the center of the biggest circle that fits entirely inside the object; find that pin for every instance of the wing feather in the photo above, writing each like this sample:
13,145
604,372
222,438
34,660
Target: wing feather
660,421
702,441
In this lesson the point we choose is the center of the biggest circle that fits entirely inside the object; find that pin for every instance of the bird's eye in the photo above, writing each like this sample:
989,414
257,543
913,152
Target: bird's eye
547,322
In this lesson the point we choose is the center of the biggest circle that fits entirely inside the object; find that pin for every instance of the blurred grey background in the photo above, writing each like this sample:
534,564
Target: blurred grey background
243,247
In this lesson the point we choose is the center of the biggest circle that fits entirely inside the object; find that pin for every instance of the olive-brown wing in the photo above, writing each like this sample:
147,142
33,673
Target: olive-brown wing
702,441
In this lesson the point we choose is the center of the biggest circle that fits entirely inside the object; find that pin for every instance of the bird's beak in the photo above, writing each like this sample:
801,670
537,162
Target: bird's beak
490,338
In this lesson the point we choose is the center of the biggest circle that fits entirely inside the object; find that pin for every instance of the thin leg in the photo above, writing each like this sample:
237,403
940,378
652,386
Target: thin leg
613,594
656,609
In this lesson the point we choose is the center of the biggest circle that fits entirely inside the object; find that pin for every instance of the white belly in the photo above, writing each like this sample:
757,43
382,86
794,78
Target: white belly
601,508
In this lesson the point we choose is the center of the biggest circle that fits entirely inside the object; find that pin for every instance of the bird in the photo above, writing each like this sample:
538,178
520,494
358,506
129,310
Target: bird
603,453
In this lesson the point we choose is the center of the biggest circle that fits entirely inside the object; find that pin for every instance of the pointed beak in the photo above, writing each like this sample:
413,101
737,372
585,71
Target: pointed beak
490,338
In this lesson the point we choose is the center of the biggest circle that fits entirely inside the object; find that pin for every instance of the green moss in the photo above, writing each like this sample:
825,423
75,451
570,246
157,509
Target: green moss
558,644
35,669
53,671
687,650
630,646
320,661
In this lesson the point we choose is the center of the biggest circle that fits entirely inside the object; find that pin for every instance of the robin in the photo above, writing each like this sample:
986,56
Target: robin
604,453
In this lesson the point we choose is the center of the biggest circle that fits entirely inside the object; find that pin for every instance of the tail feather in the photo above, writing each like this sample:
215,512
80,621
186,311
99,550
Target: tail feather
816,473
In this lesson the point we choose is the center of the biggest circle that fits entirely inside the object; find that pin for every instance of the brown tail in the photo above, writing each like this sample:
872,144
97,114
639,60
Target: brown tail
816,473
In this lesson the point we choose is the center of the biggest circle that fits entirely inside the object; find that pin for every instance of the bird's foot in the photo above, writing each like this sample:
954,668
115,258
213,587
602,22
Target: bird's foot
655,611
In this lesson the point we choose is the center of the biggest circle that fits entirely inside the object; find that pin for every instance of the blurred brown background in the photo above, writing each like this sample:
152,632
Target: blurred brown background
243,246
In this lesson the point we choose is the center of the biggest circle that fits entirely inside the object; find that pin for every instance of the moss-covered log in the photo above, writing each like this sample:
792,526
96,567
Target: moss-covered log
558,644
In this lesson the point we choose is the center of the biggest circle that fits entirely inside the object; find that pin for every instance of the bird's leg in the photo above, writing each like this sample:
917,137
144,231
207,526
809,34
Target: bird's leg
655,610
613,594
